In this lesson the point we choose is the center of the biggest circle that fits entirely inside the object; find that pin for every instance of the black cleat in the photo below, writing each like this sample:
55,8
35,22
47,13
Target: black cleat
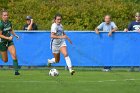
17,73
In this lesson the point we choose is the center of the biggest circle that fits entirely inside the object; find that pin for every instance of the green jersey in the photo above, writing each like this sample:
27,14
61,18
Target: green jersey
5,27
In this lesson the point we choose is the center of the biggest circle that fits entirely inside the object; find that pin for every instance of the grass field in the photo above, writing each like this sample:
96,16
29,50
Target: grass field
38,81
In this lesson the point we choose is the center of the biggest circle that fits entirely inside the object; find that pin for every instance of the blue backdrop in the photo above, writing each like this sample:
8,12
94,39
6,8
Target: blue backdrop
88,49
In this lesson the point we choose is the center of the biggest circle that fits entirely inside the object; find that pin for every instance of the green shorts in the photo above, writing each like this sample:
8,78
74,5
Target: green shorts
4,45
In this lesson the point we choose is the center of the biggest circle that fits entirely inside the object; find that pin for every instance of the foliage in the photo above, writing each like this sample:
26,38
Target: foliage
77,14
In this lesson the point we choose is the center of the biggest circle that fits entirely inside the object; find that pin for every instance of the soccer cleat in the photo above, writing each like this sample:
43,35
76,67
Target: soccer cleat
49,64
17,73
72,72
106,70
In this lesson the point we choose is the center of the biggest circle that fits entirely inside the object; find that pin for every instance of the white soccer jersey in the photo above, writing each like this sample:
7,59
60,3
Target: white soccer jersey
56,44
58,29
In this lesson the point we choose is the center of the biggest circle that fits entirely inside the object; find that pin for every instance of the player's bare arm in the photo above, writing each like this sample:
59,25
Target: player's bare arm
4,37
14,34
53,35
68,38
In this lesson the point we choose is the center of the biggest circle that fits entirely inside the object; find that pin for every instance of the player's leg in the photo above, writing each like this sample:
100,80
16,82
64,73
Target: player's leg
56,53
56,59
63,50
4,56
3,51
12,51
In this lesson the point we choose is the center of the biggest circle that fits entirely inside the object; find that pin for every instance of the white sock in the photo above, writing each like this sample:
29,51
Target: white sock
51,60
68,62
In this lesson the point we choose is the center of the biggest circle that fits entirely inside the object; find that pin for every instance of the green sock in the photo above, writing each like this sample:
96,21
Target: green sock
15,64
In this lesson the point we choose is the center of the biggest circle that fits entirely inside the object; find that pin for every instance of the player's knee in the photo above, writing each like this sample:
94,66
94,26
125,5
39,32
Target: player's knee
65,55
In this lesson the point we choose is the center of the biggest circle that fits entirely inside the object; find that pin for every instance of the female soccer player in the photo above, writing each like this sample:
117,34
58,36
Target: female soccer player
58,43
6,42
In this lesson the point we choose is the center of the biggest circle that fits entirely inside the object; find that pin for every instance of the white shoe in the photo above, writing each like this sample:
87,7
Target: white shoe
72,72
106,70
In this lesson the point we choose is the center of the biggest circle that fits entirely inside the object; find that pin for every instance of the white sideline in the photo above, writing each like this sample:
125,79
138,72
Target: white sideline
40,31
26,81
100,81
112,80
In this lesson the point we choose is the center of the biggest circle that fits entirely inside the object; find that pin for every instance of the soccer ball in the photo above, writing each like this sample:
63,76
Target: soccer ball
53,72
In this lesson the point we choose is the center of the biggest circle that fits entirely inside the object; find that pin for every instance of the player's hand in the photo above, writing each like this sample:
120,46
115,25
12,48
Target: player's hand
69,40
10,38
110,33
17,37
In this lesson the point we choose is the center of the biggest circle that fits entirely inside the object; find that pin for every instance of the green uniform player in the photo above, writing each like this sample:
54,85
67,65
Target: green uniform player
6,42
5,28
